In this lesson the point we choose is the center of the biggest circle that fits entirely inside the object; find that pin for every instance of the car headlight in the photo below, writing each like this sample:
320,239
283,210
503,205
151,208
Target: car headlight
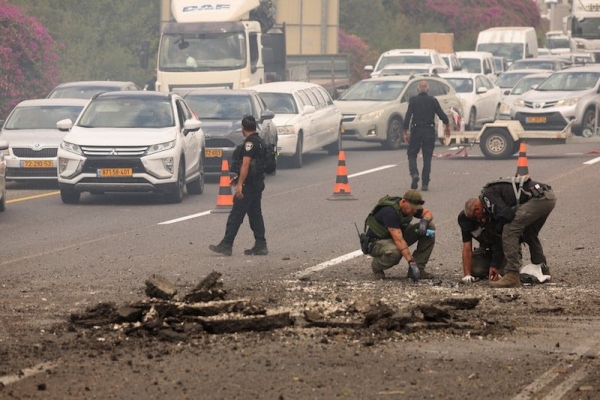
156,148
371,115
71,147
286,130
5,152
519,103
567,102
504,108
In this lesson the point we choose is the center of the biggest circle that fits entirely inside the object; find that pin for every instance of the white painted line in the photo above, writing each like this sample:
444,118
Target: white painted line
372,170
26,373
567,384
173,221
592,161
329,263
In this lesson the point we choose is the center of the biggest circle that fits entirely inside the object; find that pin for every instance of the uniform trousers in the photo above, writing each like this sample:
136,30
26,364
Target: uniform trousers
250,204
421,139
386,254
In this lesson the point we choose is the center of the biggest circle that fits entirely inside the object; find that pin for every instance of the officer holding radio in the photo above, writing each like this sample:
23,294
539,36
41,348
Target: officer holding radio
390,231
518,208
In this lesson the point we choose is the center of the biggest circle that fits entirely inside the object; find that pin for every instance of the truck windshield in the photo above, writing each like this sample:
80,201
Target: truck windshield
202,52
557,42
586,28
510,51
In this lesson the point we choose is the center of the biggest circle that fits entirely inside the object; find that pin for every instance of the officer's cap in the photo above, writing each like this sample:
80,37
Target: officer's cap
414,198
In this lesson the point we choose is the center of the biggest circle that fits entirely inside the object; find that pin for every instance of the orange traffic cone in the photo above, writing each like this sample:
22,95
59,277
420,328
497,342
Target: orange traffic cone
225,198
341,190
522,164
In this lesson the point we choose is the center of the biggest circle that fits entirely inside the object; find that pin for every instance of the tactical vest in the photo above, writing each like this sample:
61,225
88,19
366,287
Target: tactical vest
381,231
520,180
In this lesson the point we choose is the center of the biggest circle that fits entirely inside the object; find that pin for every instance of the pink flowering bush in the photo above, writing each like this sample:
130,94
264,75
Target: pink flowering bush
359,52
28,58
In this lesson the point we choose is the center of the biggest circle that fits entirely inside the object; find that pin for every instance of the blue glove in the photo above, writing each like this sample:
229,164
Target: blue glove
413,271
423,226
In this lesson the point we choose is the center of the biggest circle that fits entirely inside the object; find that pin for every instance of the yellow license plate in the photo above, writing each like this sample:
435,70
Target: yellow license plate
110,172
37,163
535,120
213,153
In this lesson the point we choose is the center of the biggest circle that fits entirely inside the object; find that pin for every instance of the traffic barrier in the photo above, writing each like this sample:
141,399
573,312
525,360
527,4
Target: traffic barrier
341,190
225,197
522,163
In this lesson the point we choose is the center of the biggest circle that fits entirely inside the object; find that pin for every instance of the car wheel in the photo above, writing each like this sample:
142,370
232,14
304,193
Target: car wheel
588,123
497,144
197,185
69,196
176,196
3,201
296,159
472,120
394,135
333,149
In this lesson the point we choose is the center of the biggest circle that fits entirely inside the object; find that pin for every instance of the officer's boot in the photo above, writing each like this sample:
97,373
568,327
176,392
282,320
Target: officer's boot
222,248
259,249
415,181
512,279
424,186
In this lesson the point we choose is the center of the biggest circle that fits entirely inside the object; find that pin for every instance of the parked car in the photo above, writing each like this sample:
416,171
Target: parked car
86,89
551,63
132,141
221,112
477,62
563,96
34,138
405,56
374,108
3,151
305,116
413,69
509,79
525,84
451,61
480,98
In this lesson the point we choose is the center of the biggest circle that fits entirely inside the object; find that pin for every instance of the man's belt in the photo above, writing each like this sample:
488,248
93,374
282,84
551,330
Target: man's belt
423,125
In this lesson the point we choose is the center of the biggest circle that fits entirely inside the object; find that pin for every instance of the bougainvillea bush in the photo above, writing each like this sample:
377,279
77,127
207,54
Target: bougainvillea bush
359,53
28,58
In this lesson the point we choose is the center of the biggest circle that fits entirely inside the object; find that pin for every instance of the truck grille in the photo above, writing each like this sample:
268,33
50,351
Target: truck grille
24,152
114,151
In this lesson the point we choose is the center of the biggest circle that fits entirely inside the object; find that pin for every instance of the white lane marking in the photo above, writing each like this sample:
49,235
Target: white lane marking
328,264
567,384
27,372
592,161
372,170
188,217
173,221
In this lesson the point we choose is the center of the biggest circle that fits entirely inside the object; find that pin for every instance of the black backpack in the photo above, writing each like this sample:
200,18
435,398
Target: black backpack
268,159
269,156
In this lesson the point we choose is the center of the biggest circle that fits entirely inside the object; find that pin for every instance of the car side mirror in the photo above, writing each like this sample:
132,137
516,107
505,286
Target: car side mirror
64,125
507,92
267,114
481,90
308,110
191,125
368,68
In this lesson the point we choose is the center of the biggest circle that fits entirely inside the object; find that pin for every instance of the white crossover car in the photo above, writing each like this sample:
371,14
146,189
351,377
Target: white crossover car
132,141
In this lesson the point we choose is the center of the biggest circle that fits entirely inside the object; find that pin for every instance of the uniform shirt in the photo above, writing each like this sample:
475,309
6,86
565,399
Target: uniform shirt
423,109
251,148
486,236
388,217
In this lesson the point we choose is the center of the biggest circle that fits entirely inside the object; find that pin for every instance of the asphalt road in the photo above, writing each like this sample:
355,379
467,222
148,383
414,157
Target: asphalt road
104,248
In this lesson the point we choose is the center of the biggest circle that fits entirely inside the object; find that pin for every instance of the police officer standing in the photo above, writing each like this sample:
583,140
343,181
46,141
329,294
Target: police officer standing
249,186
518,208
420,117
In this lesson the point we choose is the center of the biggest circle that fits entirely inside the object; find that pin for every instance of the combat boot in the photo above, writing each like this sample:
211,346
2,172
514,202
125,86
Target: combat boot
222,248
512,279
415,182
259,249
377,274
422,274
545,269
424,186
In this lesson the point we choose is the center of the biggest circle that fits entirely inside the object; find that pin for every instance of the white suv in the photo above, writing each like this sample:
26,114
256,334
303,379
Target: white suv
132,141
405,56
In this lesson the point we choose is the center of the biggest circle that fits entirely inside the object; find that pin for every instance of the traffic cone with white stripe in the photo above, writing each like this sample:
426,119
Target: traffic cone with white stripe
341,190
522,163
225,197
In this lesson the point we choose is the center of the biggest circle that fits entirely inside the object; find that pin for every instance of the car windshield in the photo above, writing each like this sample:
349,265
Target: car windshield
220,106
510,51
507,80
280,103
524,85
462,85
532,65
471,64
404,71
40,117
374,91
127,113
570,81
403,59
79,92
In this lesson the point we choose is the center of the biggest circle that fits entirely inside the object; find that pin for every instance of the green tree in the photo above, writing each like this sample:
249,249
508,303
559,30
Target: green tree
28,58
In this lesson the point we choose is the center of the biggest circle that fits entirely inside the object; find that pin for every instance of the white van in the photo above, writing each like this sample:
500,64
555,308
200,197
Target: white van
477,62
511,42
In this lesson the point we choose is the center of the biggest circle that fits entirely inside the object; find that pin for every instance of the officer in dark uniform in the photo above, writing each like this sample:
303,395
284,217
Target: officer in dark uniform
249,186
420,117
486,260
519,208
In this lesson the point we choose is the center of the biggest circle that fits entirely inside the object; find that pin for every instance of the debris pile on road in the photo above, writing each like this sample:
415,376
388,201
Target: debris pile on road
172,316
